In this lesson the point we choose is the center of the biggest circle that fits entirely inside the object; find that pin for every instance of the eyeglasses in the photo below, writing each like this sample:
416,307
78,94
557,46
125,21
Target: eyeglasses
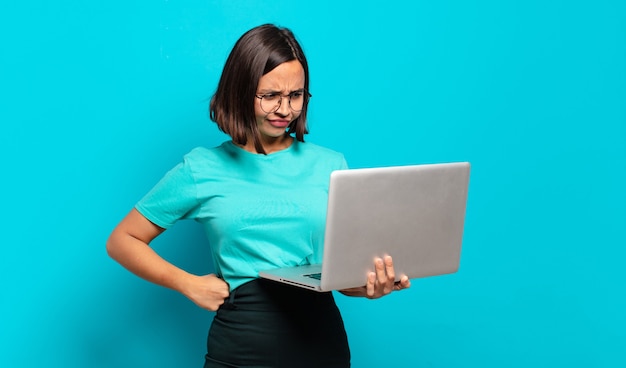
270,102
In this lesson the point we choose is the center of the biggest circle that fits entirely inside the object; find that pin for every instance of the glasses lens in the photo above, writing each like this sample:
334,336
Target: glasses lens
296,101
269,102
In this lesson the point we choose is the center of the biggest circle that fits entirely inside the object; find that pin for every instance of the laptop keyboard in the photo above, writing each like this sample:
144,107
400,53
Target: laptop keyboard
317,276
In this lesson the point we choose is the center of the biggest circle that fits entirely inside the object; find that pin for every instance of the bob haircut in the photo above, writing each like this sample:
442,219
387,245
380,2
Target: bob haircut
255,54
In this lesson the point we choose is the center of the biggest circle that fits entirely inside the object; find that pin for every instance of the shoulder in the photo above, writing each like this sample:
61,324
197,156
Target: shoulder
203,161
203,155
199,153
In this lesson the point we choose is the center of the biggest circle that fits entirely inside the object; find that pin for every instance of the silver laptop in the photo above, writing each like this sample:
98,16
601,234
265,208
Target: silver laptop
414,213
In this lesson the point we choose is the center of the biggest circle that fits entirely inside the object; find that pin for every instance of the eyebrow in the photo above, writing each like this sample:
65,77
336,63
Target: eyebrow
268,91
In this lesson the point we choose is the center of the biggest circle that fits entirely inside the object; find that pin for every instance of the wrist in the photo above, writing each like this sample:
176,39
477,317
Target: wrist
181,282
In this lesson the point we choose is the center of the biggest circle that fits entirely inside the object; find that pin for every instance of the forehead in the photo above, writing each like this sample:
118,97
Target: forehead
288,76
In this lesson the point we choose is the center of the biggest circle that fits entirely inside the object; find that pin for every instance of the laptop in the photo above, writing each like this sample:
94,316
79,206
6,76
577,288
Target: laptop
414,213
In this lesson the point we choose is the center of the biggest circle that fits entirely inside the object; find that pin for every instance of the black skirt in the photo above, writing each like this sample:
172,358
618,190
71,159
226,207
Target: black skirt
269,324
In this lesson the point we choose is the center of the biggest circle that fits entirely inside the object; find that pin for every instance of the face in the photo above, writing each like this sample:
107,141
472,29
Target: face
286,78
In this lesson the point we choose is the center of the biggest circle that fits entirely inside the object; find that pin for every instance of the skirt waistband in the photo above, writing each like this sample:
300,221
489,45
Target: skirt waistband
267,295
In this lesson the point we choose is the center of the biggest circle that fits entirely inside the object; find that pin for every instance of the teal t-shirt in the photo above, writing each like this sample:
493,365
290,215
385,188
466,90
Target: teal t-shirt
258,211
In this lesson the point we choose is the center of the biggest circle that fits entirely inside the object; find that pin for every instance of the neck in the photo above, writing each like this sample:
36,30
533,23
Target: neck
270,144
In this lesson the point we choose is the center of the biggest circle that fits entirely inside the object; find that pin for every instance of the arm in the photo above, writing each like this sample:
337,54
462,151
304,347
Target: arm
128,244
381,282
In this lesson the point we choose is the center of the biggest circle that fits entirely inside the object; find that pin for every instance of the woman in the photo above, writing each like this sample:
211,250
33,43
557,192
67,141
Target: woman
261,199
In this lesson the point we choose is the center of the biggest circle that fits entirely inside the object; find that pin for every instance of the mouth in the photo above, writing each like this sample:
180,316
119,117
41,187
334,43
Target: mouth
279,123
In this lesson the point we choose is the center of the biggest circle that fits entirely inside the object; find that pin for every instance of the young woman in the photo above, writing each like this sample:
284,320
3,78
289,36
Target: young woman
261,198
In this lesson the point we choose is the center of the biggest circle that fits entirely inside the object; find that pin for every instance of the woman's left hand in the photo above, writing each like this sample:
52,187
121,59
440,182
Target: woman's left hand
381,282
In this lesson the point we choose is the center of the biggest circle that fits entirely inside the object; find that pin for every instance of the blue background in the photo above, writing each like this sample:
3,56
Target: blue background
99,99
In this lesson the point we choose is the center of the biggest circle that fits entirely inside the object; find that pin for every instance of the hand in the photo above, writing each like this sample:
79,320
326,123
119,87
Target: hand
381,282
208,292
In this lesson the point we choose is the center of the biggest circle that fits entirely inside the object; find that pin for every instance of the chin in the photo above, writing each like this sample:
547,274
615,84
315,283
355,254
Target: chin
275,133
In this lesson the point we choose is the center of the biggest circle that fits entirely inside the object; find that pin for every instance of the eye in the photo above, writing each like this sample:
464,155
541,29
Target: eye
271,96
296,94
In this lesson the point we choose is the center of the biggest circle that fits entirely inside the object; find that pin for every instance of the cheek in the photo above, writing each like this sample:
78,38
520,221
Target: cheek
260,114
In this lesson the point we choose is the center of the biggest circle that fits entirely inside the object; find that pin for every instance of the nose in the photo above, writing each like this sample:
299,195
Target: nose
283,107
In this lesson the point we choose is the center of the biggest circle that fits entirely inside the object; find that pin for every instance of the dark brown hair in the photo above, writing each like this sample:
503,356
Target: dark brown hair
255,54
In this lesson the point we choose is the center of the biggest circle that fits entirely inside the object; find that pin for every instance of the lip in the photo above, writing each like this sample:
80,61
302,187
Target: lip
278,123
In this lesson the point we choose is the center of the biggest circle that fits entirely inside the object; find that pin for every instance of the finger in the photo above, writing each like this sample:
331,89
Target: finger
221,287
391,275
381,274
404,283
225,292
371,281
214,305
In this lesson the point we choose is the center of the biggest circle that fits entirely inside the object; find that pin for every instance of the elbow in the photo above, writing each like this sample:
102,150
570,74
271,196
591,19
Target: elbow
111,246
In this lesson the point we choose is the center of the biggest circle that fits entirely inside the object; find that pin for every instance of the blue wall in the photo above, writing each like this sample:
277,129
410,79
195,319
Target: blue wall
100,98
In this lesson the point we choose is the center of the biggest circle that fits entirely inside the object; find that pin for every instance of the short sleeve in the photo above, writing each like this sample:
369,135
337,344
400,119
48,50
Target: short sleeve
344,163
174,197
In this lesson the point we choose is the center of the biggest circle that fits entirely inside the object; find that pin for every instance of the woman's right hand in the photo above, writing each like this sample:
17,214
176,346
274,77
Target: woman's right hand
208,291
129,243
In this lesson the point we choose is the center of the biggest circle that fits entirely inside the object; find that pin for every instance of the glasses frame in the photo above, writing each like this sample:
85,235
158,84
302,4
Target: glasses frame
305,94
